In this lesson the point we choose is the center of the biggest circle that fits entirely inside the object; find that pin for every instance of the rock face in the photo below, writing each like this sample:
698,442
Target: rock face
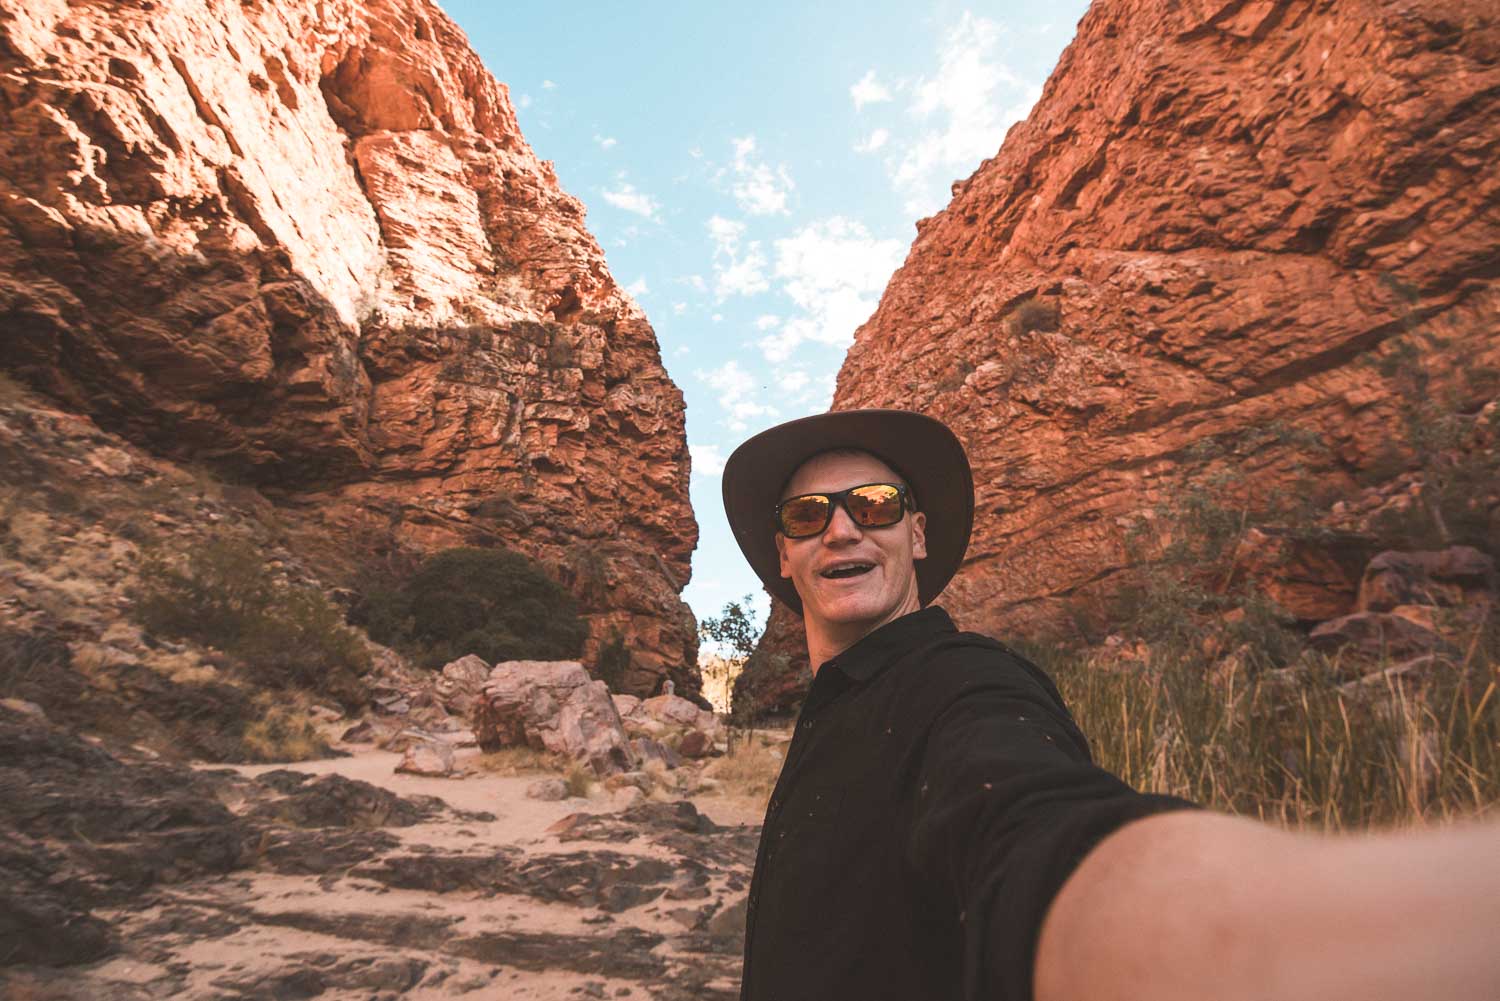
307,244
1216,218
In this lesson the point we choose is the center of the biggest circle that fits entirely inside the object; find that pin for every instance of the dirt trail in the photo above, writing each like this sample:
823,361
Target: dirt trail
344,892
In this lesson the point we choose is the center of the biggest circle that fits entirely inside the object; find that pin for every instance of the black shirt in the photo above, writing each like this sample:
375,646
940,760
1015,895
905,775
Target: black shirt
935,797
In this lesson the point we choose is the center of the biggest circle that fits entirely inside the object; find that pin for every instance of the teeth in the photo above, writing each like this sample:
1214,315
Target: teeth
847,570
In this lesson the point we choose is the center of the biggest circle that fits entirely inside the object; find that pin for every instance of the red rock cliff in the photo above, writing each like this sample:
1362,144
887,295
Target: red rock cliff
1214,216
308,243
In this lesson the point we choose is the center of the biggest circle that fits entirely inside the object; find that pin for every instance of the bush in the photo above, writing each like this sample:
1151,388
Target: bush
222,594
494,603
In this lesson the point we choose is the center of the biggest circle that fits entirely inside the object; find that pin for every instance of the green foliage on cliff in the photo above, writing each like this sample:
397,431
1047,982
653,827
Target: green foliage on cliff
494,603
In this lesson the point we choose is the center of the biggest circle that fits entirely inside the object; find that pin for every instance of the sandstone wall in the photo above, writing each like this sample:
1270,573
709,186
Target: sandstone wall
1214,219
307,243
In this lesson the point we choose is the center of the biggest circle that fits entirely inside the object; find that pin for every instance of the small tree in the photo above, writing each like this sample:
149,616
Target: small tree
735,630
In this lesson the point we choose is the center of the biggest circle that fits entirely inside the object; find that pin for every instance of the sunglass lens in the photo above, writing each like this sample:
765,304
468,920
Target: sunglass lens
875,506
803,516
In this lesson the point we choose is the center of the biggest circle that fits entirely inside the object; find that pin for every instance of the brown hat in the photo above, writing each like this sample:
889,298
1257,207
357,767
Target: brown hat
926,454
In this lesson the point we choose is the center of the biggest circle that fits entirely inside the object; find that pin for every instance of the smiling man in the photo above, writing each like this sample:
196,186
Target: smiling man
940,831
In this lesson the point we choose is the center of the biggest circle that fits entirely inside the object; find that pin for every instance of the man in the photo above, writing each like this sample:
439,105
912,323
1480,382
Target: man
939,830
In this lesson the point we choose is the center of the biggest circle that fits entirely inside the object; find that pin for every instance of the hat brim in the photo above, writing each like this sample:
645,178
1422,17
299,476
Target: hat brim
926,454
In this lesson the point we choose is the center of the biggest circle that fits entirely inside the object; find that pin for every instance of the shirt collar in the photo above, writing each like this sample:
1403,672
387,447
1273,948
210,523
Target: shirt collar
877,650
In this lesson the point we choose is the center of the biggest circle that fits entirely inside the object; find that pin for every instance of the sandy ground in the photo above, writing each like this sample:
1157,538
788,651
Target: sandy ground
338,935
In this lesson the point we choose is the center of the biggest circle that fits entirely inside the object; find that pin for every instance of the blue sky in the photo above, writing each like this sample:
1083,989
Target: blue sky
754,174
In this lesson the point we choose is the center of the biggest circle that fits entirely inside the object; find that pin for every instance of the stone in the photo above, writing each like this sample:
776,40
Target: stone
553,706
652,753
624,780
433,758
1443,577
459,684
433,337
1146,266
363,732
1378,634
695,744
548,790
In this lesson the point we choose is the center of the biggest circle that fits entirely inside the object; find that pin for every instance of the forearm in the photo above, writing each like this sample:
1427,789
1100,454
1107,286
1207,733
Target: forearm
1191,906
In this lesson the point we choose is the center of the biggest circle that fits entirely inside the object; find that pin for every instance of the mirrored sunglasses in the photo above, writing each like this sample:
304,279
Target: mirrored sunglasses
870,505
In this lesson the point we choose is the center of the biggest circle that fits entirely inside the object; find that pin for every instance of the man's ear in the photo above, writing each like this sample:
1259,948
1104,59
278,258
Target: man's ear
786,571
918,536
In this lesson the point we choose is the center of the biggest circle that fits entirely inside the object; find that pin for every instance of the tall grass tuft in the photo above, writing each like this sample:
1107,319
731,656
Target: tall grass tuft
1297,747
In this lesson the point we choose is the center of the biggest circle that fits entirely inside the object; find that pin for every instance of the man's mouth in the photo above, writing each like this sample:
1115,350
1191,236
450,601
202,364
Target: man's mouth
842,570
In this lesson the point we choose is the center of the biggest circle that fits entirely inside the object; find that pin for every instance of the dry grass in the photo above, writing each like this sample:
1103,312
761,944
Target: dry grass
750,768
514,761
284,730
580,780
1298,747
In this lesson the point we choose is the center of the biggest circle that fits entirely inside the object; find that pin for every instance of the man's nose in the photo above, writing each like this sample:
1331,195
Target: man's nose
841,527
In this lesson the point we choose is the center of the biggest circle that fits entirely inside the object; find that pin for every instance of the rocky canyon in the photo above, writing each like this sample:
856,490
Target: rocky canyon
305,247
1215,239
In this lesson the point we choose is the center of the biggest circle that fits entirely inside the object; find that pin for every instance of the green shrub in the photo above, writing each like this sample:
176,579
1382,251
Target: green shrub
222,594
494,603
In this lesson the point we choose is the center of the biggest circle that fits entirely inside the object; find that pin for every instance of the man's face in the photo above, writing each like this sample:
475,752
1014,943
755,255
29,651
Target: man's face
883,584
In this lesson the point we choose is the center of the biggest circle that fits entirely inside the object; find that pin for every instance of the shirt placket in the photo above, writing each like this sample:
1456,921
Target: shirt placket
796,752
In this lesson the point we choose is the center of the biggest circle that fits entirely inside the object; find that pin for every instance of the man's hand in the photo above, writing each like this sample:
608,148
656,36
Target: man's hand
1205,907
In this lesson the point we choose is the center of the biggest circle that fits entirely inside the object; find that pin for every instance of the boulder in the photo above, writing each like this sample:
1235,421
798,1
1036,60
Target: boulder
1440,577
548,790
695,744
669,715
1379,634
460,683
429,757
626,705
552,706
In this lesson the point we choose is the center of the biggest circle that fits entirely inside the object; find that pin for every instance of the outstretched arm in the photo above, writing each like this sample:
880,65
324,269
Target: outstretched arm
1187,906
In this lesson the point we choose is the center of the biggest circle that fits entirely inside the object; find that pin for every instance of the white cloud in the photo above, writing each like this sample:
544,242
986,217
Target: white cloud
678,308
794,381
626,197
834,271
638,287
717,318
766,321
736,391
695,282
739,267
605,142
524,101
874,141
758,188
707,462
970,102
869,91
548,85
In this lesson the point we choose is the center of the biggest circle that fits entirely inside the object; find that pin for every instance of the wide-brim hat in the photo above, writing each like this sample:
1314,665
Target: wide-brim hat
921,449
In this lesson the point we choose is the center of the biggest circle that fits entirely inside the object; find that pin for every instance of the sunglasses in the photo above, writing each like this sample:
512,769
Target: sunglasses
870,505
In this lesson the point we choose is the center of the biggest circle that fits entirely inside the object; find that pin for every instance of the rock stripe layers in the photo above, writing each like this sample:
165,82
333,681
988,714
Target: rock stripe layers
306,242
1213,219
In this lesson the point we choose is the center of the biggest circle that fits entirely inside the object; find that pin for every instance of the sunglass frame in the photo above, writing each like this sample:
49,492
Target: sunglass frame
836,497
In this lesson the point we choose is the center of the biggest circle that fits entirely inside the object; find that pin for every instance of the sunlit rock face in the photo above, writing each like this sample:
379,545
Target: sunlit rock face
1214,220
307,243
